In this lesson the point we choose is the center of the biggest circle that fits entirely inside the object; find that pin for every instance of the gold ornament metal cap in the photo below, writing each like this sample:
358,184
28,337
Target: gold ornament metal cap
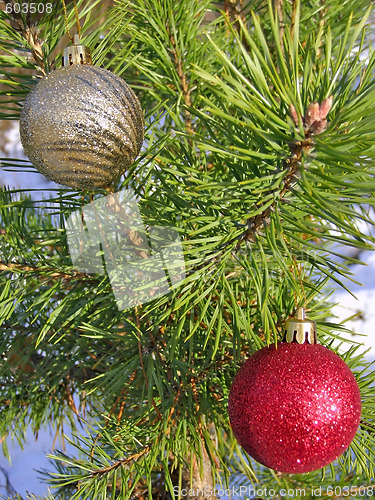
299,329
76,54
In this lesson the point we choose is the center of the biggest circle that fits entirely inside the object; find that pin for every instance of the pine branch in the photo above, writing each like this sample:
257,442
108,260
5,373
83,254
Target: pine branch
46,273
279,10
314,123
31,37
121,463
183,79
22,23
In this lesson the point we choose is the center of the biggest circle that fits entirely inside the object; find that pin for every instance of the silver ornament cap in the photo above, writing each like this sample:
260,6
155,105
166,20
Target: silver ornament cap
76,53
299,329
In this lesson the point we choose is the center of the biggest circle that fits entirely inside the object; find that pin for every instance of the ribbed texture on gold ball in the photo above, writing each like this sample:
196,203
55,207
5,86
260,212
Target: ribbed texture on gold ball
82,126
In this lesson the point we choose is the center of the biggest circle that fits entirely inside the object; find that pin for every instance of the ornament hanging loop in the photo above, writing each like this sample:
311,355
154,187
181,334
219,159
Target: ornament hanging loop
67,23
298,273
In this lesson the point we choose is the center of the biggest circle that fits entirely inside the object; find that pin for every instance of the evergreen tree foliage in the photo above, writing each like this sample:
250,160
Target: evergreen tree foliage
265,189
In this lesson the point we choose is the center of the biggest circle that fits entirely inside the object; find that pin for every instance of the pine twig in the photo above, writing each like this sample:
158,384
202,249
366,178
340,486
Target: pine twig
36,48
234,10
184,82
121,463
24,268
279,10
30,33
314,122
143,366
293,18
235,16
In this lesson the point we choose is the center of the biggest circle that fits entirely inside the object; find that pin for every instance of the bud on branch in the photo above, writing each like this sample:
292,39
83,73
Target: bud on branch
314,121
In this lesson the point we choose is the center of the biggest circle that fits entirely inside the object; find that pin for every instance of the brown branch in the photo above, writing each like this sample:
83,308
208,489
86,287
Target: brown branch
314,122
234,11
280,15
235,16
9,402
291,165
293,18
121,463
69,396
24,268
184,82
123,392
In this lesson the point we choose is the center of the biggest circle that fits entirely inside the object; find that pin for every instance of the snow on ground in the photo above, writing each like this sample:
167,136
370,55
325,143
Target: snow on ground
362,306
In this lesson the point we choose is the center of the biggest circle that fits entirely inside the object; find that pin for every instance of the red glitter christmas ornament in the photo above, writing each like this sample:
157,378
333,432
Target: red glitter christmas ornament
296,407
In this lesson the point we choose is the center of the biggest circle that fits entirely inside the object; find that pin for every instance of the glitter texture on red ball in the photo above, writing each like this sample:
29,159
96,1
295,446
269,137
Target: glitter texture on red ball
294,408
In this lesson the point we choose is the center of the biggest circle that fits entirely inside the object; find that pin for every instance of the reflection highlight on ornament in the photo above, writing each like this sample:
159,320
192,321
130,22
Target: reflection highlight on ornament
108,237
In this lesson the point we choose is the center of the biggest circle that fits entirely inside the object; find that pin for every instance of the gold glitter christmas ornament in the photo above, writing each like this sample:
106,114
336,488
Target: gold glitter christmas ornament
81,126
